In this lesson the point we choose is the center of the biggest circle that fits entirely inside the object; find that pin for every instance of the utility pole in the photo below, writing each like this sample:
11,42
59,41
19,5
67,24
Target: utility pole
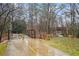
48,17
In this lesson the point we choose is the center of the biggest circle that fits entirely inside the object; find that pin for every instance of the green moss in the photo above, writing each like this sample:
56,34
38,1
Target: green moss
3,47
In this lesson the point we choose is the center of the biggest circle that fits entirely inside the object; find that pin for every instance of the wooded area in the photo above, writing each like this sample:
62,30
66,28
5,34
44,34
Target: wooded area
45,19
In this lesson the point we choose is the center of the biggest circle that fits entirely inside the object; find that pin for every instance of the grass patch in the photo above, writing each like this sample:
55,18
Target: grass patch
69,45
3,47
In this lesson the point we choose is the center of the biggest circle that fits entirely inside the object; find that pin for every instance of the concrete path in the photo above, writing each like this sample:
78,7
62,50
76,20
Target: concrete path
24,46
17,47
46,50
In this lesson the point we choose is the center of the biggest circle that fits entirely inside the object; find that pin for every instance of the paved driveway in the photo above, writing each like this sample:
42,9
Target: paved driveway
22,45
